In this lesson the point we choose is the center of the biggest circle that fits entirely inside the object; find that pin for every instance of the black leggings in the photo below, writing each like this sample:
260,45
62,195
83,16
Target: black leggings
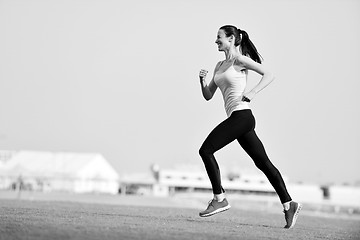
240,126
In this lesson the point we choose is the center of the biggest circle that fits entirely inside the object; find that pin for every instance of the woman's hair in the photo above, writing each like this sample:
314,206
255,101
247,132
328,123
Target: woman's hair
242,39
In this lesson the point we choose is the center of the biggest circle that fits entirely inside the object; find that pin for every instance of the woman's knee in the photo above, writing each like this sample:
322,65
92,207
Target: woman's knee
205,152
202,152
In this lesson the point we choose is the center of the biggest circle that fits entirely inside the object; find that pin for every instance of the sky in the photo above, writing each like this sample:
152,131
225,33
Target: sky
121,78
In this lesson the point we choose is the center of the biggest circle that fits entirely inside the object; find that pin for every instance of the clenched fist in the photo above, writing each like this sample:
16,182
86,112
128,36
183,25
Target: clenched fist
202,74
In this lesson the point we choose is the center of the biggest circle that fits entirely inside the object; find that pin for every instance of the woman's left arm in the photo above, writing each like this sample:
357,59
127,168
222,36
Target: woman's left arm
267,76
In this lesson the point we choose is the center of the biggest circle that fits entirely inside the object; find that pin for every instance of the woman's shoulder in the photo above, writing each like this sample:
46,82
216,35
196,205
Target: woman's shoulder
244,61
241,58
219,63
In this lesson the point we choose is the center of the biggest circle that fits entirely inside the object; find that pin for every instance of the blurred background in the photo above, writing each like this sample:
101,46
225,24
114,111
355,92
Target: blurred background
110,88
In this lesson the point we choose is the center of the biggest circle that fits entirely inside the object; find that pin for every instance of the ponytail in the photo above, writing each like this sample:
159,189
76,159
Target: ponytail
247,47
242,39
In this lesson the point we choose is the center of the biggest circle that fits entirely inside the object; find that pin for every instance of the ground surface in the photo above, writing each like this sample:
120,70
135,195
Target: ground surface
24,219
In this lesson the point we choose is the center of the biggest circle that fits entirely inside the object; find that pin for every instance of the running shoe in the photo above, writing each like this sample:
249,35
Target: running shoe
215,207
292,214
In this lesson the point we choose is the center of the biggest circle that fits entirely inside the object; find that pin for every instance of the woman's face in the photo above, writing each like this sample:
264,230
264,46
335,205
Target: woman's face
222,41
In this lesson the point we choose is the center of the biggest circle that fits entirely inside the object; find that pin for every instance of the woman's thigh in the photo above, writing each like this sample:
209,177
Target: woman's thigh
230,129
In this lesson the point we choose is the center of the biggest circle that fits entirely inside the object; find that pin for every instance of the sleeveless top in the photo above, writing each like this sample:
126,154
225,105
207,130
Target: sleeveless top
232,85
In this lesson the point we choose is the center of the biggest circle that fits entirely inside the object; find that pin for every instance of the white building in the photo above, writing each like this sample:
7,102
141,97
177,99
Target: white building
47,171
167,181
200,180
345,195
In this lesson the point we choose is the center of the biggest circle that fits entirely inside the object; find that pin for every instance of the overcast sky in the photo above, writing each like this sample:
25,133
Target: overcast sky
121,78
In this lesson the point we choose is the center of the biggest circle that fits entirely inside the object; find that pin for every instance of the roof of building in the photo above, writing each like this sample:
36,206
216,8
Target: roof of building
59,164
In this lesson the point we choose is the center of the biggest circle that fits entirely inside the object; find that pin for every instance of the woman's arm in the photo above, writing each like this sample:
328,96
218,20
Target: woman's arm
208,91
267,76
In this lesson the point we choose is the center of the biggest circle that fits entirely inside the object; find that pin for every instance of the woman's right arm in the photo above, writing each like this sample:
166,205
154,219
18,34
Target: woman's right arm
208,91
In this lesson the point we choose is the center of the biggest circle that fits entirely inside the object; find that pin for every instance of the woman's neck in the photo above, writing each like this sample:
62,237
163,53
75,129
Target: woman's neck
232,53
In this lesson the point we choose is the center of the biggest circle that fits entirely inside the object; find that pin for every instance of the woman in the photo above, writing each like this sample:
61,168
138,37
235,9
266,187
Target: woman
230,75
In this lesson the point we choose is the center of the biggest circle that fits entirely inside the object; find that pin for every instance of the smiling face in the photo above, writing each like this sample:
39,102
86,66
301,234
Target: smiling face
222,41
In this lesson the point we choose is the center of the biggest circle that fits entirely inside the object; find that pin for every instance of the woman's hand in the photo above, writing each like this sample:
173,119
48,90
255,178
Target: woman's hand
202,74
207,90
247,97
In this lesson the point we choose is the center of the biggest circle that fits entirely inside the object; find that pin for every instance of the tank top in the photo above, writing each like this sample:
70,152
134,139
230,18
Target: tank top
232,84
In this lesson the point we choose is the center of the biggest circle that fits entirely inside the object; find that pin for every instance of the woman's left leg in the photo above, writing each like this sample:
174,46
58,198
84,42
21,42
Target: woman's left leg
255,149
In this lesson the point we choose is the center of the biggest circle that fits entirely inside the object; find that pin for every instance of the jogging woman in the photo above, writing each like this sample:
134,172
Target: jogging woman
230,75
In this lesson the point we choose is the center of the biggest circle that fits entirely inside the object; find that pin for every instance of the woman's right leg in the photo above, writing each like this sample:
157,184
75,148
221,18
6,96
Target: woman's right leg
215,141
227,131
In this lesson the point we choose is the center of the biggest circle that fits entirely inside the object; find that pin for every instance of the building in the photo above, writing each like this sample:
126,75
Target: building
58,171
198,180
165,182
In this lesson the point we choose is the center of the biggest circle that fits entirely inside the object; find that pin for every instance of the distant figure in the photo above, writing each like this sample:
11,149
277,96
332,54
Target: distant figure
230,75
155,169
20,185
